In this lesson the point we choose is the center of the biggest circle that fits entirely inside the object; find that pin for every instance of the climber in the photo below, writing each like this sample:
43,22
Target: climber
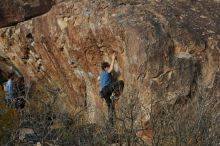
110,91
9,91
2,80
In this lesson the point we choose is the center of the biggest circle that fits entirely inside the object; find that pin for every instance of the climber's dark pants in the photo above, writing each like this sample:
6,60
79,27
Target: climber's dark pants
106,92
9,102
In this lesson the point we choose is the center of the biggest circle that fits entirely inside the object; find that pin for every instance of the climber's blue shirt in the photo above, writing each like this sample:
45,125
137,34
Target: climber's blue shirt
105,79
9,90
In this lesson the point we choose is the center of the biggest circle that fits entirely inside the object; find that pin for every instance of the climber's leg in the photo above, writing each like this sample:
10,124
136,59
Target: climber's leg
111,113
106,94
109,93
117,88
8,102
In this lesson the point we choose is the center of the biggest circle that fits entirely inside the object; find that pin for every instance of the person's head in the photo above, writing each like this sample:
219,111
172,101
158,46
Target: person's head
10,76
105,66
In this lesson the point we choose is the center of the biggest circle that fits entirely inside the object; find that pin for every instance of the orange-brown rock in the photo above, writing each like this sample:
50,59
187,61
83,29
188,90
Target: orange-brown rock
12,12
166,50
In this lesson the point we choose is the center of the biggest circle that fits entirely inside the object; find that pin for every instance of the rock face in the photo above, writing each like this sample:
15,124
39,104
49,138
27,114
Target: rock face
12,12
166,50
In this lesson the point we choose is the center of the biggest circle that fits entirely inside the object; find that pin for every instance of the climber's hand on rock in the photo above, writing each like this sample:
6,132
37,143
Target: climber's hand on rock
113,56
103,102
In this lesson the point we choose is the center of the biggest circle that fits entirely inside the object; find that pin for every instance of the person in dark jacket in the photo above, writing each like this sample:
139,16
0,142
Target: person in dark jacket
2,81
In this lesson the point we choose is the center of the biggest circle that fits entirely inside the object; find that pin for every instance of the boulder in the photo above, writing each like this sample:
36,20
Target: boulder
165,50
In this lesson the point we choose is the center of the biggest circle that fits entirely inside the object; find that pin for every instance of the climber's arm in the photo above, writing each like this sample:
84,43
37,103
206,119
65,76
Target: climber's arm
112,63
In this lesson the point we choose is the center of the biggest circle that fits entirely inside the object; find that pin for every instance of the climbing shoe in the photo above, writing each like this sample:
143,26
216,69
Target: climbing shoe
114,98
